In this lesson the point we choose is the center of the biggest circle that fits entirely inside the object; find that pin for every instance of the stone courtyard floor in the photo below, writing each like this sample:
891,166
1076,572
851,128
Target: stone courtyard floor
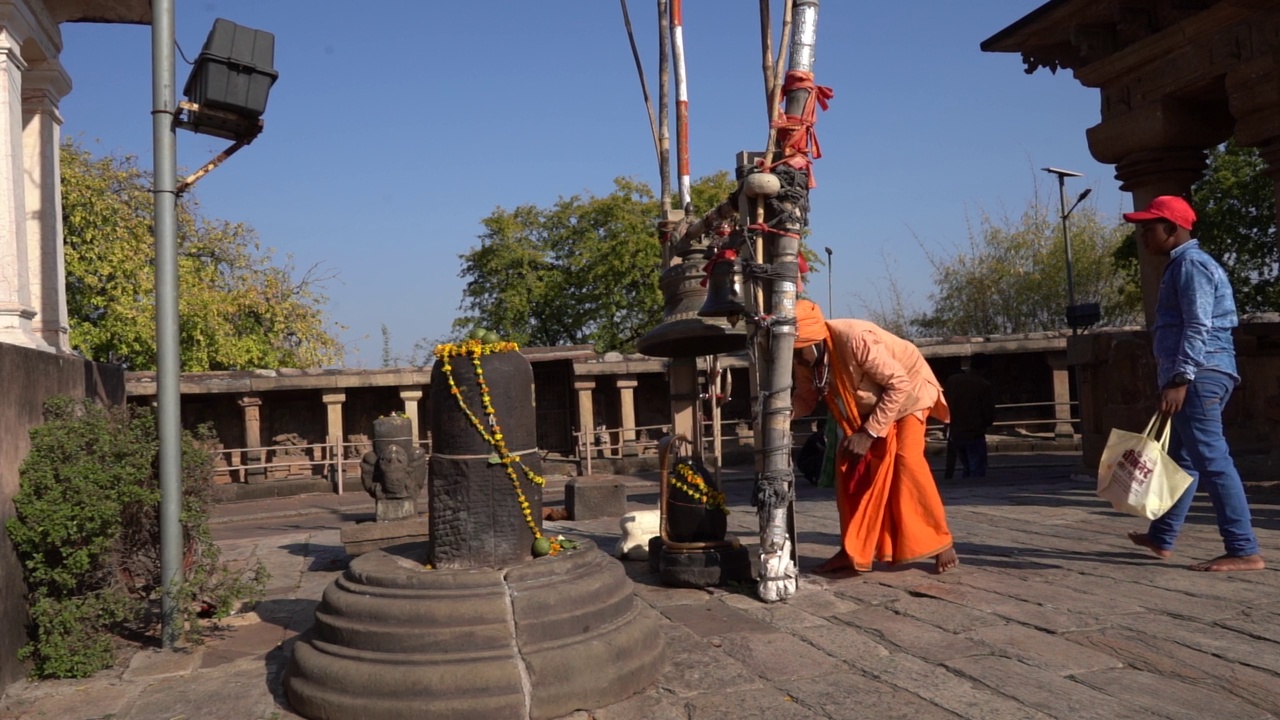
1051,614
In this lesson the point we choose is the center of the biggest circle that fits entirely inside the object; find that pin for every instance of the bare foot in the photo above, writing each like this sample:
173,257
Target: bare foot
945,560
836,563
1231,563
1144,540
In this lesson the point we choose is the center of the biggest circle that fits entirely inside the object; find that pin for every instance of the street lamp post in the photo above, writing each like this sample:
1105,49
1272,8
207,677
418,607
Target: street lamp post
1086,314
830,307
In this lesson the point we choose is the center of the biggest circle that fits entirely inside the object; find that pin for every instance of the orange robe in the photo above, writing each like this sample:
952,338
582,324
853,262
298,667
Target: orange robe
890,509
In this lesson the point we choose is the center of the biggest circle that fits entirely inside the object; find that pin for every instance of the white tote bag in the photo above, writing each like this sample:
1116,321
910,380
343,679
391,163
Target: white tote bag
1136,473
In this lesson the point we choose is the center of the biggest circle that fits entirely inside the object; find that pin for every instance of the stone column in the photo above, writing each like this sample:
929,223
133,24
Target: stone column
333,400
251,405
586,410
682,373
1253,91
1147,175
44,85
1061,395
1157,144
411,395
16,308
627,403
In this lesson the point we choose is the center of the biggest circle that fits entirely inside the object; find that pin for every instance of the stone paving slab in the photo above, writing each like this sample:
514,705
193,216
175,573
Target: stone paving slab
1052,613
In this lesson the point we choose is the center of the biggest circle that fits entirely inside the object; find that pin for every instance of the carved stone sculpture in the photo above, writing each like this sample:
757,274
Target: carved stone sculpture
395,470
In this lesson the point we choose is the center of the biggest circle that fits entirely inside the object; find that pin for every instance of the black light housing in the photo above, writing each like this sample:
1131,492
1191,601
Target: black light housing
235,70
227,89
1084,315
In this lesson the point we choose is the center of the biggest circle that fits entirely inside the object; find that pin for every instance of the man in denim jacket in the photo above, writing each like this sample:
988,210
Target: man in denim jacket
1196,369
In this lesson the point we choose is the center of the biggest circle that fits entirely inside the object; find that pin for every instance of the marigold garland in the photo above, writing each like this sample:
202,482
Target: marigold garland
687,478
475,349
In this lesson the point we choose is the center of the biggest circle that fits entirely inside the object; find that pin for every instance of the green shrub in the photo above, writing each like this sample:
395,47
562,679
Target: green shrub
87,531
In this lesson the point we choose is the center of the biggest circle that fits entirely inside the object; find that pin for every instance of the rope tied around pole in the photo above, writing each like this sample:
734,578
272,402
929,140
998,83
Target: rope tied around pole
796,134
774,490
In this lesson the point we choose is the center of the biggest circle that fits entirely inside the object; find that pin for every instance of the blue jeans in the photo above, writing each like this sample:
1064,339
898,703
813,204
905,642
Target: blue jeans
972,455
1199,447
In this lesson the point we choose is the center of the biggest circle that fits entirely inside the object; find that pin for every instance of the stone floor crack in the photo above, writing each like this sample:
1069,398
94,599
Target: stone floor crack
526,683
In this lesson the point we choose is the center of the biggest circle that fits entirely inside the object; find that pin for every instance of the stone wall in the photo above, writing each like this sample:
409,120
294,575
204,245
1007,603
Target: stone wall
30,378
1116,374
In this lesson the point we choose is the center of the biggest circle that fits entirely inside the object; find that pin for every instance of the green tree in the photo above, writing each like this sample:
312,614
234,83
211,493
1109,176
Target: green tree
584,270
238,308
1235,204
1012,277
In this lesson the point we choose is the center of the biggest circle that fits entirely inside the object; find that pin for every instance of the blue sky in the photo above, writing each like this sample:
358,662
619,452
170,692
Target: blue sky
396,126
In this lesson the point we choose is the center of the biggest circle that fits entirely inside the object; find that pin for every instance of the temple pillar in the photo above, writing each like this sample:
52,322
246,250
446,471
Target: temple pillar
333,400
16,308
1063,428
1158,147
44,86
1254,95
251,406
682,373
411,395
1147,175
586,409
627,404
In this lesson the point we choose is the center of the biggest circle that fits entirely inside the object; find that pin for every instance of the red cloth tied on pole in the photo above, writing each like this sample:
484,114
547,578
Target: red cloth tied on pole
796,136
725,255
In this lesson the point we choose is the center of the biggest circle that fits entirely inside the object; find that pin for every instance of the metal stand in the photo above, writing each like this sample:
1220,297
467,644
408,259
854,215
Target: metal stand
218,123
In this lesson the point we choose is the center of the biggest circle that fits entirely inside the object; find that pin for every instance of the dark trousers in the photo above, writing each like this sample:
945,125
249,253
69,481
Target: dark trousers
972,455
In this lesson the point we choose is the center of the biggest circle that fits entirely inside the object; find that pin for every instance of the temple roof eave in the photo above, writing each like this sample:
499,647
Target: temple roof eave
135,12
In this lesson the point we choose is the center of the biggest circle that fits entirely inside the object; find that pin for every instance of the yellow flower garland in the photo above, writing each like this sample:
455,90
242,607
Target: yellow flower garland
688,479
476,349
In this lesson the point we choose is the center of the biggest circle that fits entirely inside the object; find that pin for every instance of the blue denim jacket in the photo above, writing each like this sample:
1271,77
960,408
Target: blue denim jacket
1195,312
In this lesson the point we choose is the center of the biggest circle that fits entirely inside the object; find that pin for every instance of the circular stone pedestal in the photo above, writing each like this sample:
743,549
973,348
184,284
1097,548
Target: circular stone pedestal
542,639
700,568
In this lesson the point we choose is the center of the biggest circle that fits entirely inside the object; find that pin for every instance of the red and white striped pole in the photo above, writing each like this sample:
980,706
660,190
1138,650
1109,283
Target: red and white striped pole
682,102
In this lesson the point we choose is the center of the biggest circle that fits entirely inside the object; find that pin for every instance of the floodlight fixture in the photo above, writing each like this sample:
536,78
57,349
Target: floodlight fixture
227,89
1062,173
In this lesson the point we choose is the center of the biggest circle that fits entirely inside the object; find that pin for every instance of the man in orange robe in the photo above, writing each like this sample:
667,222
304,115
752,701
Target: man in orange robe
880,390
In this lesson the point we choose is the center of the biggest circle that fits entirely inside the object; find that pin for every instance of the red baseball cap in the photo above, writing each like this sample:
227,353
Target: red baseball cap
1166,207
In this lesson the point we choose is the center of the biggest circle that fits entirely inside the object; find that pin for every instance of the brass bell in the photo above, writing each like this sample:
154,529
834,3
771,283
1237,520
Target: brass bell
725,296
682,332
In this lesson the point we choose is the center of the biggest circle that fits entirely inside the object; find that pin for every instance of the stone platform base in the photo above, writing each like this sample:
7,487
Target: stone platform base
700,568
369,536
395,640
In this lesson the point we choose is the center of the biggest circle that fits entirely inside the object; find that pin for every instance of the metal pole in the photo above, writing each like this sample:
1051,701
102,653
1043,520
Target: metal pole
1066,241
831,308
775,487
168,360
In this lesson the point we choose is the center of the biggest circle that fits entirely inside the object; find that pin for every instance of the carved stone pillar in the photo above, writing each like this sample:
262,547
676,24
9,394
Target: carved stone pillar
682,373
1062,429
586,410
16,308
333,400
1150,174
1157,144
1270,153
627,403
251,405
411,395
1254,93
43,87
